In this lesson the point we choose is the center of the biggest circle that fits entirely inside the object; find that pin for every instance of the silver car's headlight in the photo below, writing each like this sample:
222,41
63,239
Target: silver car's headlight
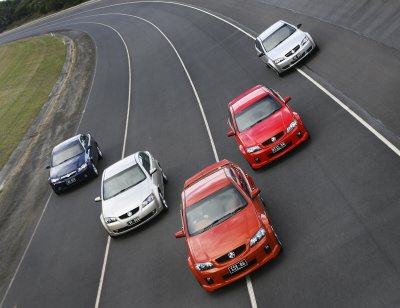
257,237
305,40
253,149
291,126
204,266
110,220
55,180
279,60
82,167
149,199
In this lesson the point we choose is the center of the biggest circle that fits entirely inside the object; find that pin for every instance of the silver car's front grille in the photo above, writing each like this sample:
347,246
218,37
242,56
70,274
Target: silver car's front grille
293,51
129,214
68,175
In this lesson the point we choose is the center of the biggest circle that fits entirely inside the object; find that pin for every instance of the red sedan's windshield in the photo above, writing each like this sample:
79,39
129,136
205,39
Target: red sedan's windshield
214,209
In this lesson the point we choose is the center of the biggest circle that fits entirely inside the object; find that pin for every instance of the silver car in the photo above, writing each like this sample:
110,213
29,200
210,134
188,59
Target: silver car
132,193
283,45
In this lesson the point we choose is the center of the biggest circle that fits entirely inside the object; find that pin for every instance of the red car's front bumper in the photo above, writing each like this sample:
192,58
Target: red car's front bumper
264,156
256,256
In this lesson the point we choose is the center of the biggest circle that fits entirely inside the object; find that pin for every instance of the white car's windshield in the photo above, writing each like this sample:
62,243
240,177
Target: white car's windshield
256,112
122,181
278,37
66,153
214,209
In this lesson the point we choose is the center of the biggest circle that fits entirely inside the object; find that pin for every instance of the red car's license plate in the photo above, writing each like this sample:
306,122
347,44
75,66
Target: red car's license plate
278,147
235,267
71,180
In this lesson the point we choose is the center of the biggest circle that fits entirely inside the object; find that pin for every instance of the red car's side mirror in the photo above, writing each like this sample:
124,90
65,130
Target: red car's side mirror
287,99
230,133
180,234
255,192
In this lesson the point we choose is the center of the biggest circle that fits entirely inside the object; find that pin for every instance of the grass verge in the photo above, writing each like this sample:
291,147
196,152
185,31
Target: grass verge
29,70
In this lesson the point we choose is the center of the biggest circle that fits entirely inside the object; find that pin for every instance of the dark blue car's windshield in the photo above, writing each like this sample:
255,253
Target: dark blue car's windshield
66,153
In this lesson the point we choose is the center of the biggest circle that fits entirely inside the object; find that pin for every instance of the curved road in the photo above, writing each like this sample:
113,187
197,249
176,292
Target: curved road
164,75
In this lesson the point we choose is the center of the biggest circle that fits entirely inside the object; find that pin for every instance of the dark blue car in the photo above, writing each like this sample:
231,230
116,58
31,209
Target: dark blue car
73,161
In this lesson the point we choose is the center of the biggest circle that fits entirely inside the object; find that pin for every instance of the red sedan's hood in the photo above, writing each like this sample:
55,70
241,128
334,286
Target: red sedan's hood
225,237
266,129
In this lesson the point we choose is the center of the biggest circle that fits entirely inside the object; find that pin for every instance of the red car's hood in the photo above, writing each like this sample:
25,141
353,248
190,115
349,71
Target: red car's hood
266,129
225,237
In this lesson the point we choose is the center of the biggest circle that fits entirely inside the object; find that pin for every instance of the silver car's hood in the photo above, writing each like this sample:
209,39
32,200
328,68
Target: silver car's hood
287,45
128,200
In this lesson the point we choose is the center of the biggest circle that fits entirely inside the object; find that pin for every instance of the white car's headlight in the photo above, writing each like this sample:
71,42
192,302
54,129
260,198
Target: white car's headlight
257,237
149,199
305,40
204,266
110,220
279,60
291,126
55,180
82,167
253,149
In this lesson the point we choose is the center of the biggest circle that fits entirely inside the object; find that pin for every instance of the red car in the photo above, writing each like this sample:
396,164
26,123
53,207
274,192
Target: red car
264,126
228,232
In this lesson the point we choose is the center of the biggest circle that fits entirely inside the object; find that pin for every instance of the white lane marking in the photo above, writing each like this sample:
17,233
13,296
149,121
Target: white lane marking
48,200
251,292
25,251
103,270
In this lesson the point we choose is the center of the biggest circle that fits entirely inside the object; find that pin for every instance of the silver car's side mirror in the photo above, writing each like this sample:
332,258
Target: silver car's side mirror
97,199
298,26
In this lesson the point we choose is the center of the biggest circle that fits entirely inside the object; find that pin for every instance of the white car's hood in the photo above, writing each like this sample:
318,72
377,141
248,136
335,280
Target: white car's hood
127,201
287,45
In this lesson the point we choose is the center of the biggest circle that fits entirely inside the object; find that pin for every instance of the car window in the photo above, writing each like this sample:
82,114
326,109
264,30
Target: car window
230,120
243,181
278,37
214,209
258,45
145,161
122,181
256,112
66,153
85,141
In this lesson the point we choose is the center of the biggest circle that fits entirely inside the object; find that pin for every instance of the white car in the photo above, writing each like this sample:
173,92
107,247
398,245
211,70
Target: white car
132,193
283,45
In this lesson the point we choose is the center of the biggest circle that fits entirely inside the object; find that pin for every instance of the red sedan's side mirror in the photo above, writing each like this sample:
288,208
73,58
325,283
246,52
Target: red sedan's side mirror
287,99
230,133
180,234
255,192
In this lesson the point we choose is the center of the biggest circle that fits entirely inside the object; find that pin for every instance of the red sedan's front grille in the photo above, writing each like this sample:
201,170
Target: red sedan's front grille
269,141
236,251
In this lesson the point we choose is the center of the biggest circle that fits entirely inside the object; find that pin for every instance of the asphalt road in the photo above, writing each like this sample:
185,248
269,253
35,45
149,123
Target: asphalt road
335,201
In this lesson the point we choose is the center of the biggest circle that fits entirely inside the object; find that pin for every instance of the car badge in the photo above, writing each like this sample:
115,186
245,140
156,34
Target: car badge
129,214
231,255
273,139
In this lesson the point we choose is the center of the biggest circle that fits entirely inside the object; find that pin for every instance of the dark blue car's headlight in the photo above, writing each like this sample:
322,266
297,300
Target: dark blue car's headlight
82,167
54,180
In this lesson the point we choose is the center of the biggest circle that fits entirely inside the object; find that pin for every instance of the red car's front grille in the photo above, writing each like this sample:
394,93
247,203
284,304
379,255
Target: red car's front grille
236,251
269,141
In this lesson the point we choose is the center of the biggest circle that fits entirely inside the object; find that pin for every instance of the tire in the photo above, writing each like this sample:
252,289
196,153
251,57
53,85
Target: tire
276,72
95,172
164,176
99,152
56,191
162,199
277,238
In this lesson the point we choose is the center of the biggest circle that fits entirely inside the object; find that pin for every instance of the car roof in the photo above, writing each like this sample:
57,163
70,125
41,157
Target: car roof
120,166
271,29
206,182
247,98
66,142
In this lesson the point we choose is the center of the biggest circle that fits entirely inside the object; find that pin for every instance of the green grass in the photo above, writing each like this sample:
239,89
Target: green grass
29,70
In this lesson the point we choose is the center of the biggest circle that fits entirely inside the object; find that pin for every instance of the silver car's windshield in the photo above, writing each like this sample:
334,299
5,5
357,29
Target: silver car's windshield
122,181
278,37
214,209
256,112
66,153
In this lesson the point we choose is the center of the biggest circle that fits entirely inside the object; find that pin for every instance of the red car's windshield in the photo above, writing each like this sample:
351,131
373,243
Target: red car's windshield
257,112
214,209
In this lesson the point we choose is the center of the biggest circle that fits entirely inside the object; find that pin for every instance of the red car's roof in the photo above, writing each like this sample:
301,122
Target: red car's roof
205,182
247,98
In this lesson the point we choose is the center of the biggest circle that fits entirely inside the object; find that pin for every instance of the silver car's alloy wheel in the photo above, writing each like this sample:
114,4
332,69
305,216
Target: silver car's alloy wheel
164,176
164,203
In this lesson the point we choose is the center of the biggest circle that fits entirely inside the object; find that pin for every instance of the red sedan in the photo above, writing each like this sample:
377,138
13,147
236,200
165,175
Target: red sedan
228,232
264,126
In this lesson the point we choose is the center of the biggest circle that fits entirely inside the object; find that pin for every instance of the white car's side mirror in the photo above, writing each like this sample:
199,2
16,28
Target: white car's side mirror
97,199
